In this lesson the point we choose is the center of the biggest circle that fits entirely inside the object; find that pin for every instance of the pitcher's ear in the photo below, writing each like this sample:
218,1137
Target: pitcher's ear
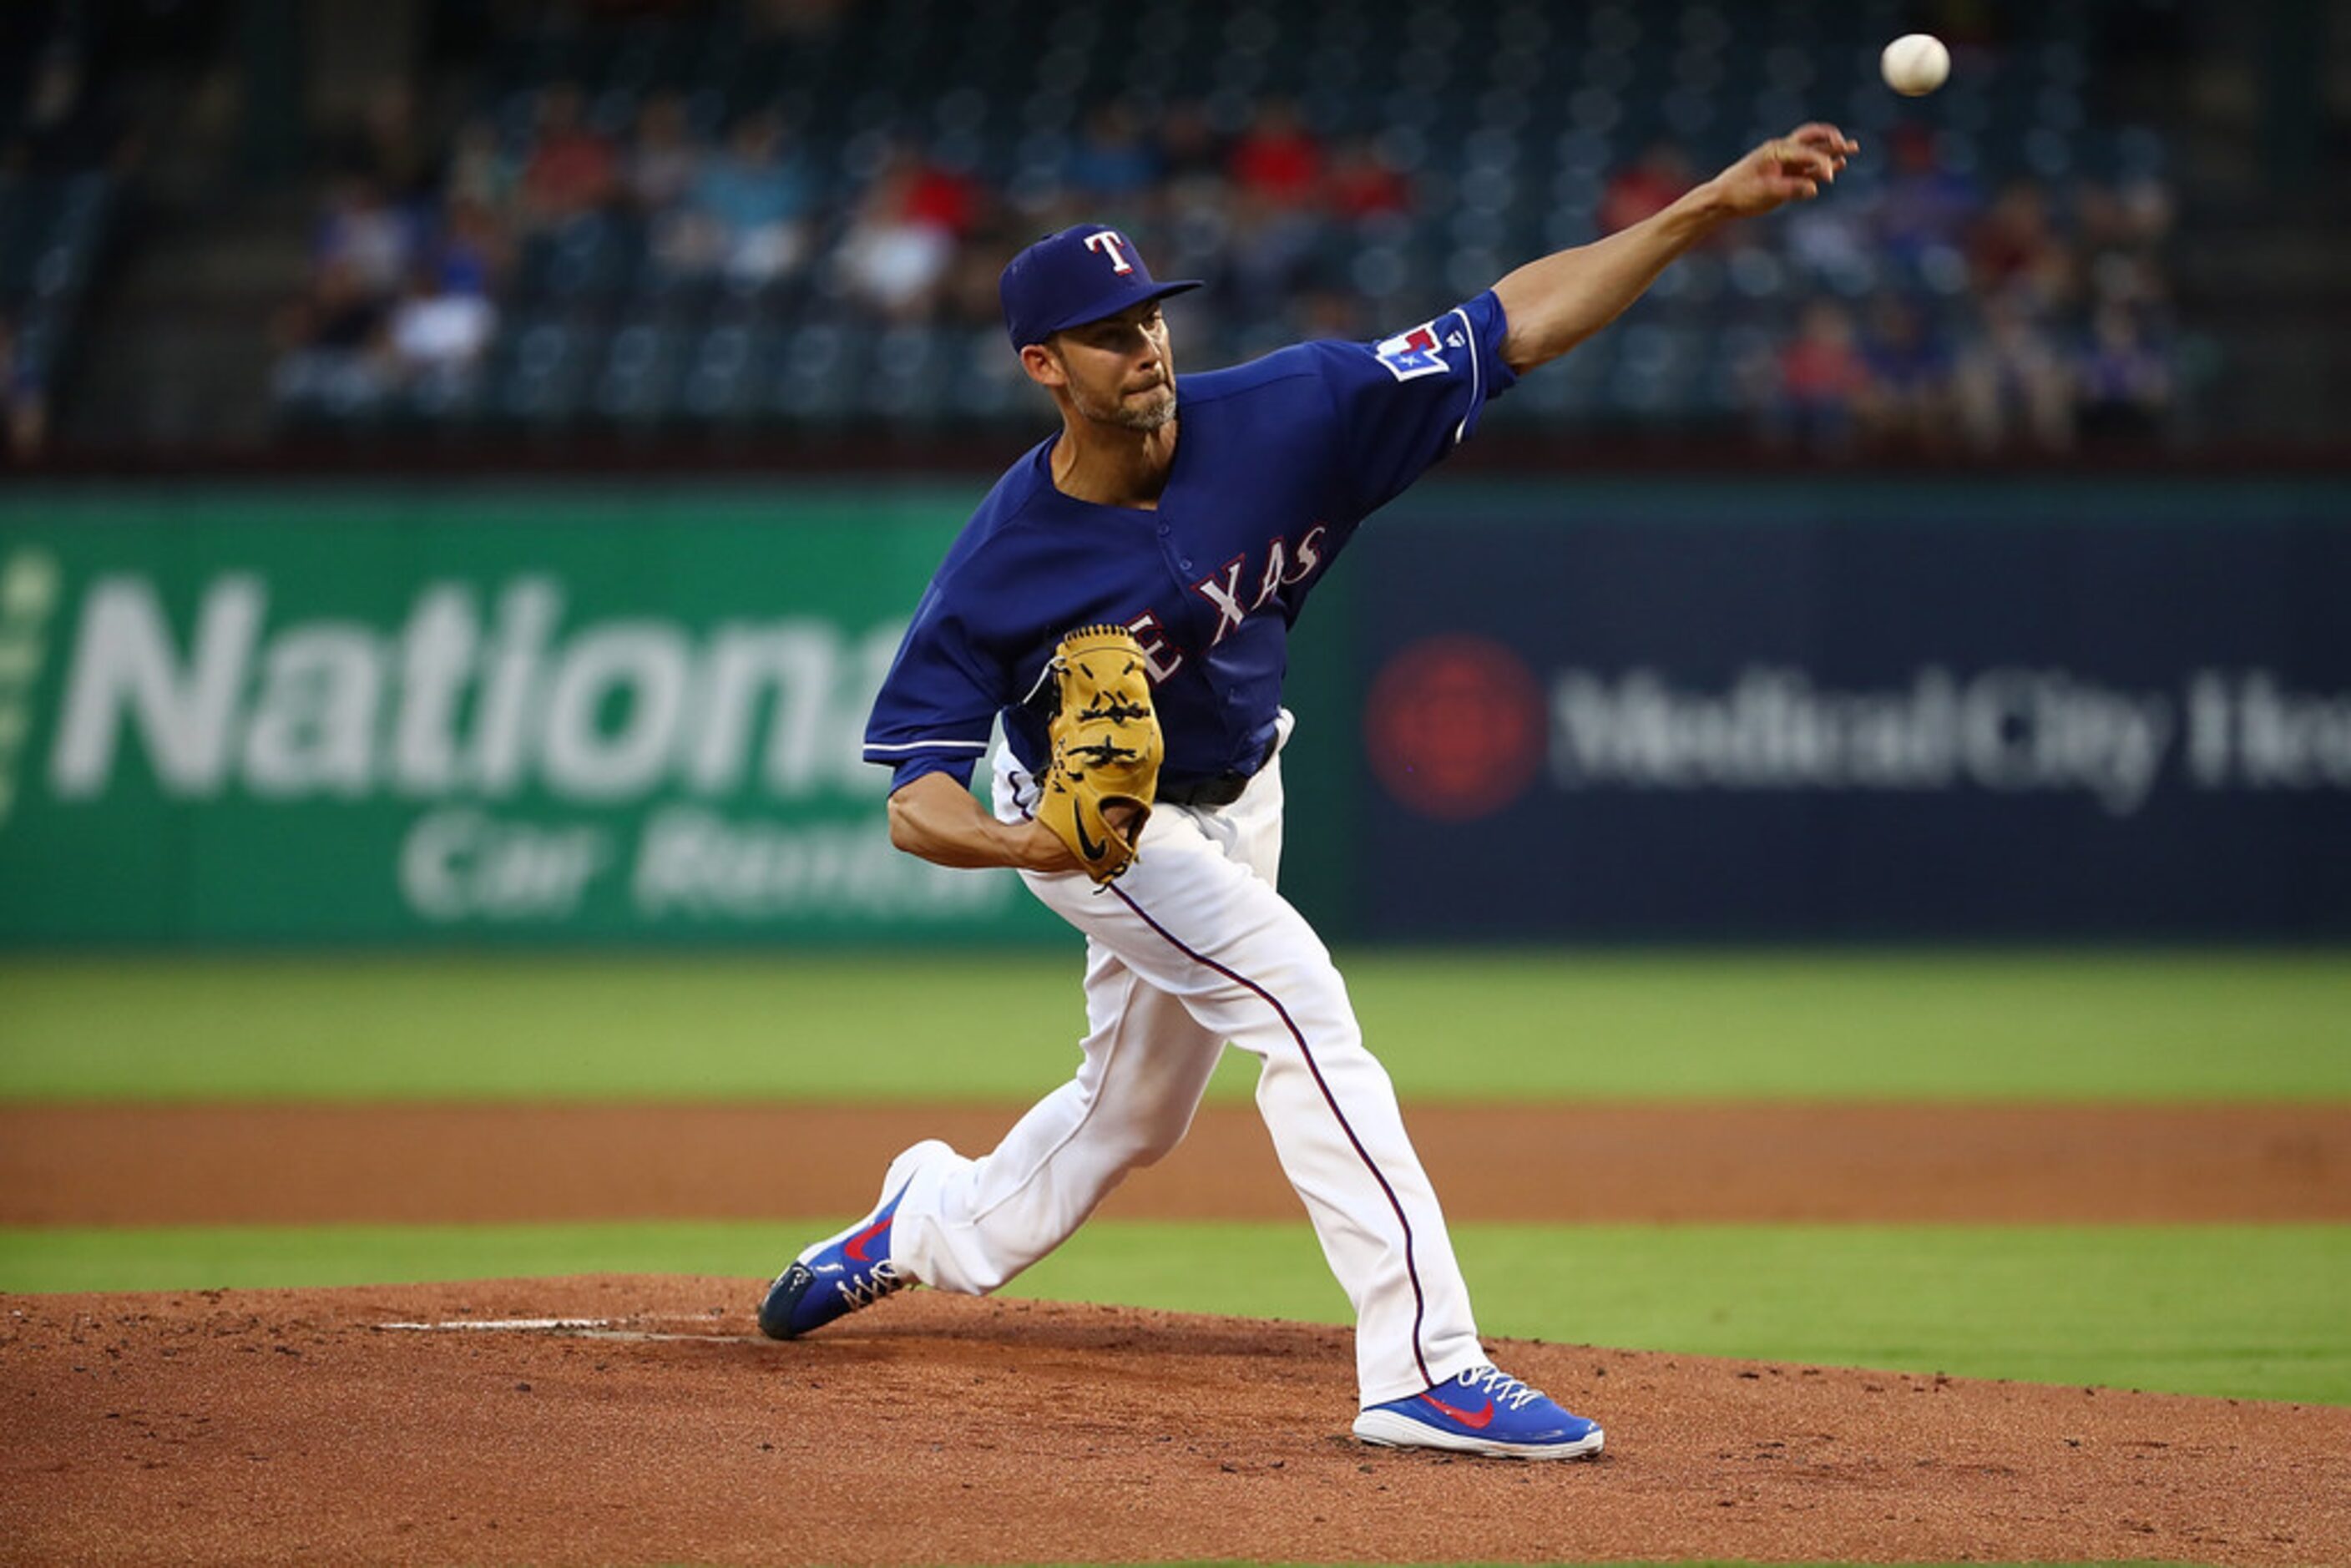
1043,363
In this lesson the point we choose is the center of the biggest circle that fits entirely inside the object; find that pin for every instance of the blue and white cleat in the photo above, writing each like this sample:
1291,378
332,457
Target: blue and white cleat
1481,1411
848,1270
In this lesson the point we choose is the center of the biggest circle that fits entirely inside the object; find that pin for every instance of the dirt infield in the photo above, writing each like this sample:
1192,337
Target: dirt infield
291,1426
395,1164
300,1426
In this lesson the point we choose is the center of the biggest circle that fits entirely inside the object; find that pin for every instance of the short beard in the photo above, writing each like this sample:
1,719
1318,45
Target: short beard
1145,418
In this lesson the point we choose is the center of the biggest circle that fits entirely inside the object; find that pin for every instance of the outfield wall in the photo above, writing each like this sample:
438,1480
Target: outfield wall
1613,709
1861,711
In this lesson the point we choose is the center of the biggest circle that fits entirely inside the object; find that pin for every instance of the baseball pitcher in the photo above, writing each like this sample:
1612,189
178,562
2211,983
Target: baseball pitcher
1121,603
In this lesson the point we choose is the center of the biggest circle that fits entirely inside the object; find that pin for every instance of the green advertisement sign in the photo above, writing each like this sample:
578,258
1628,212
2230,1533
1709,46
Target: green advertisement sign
273,718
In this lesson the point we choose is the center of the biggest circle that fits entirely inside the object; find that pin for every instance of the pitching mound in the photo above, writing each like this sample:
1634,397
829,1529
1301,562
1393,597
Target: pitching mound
454,1423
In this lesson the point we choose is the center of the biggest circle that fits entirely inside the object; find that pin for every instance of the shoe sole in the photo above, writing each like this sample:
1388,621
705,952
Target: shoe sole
1386,1430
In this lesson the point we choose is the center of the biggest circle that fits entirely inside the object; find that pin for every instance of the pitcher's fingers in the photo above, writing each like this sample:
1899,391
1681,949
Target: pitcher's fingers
1827,139
1803,162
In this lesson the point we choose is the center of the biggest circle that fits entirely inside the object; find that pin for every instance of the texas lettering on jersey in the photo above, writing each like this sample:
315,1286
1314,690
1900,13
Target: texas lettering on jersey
1284,567
1287,564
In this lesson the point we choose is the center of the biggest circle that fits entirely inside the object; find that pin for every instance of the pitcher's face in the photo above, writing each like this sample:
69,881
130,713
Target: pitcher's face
1119,371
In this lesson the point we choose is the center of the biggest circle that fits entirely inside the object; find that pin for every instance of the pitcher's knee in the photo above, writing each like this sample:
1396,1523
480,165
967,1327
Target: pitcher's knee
1148,1143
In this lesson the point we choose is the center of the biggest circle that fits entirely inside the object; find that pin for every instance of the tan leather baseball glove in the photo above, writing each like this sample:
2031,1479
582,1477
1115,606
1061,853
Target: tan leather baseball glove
1106,749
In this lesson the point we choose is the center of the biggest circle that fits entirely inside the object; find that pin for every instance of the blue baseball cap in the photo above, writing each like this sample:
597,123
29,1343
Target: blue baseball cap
1082,274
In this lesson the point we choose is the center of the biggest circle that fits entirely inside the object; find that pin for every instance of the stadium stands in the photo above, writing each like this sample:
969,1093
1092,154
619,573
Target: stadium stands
761,212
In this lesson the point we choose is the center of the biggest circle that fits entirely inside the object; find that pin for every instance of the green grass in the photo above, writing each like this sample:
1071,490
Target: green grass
2252,1311
2246,1312
2130,1026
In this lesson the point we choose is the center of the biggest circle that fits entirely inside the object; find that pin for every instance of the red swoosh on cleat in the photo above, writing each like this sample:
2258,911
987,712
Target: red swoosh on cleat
855,1245
1474,1420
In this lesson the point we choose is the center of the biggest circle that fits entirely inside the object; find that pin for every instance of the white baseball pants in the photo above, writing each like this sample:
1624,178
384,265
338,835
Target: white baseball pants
1191,948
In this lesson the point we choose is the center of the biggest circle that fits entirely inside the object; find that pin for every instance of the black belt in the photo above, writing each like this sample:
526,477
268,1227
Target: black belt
1218,789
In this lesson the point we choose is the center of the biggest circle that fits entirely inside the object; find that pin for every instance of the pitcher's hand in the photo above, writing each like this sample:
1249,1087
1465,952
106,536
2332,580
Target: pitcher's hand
1791,168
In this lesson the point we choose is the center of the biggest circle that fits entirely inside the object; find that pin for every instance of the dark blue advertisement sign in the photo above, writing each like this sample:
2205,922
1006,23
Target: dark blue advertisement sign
2025,720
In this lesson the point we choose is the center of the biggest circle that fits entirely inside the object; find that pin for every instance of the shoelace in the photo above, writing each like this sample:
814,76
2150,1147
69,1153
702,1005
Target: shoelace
883,1280
1500,1386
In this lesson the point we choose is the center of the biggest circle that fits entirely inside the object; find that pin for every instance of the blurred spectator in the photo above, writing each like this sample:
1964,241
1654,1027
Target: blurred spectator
363,234
389,151
2118,234
2121,384
472,254
2147,210
1113,166
573,172
1925,211
1194,196
1910,369
903,236
1277,161
24,398
1270,251
1823,382
332,343
437,337
968,296
2011,384
2013,248
1191,153
481,172
665,163
1275,216
1829,243
747,213
1364,185
1650,184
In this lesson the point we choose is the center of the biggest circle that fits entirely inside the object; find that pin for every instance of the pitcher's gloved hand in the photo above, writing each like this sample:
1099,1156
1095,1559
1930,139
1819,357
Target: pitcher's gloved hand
1096,792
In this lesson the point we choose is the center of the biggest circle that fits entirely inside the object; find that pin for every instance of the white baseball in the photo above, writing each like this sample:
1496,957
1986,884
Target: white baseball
1915,64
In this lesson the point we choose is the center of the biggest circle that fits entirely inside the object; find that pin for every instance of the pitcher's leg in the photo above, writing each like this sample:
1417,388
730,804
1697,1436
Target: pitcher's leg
1197,918
970,1224
1261,978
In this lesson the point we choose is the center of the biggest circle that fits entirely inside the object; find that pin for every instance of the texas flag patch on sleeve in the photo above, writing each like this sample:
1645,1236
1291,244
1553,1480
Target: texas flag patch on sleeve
1419,353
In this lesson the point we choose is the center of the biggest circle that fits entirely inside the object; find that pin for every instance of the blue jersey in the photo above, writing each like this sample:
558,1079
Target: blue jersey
1276,463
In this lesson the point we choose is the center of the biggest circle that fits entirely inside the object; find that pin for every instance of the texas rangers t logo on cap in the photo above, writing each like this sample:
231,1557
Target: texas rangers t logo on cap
1061,282
1112,245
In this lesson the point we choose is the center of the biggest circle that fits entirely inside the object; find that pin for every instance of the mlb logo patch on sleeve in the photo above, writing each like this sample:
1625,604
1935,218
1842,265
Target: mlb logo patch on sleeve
1419,353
